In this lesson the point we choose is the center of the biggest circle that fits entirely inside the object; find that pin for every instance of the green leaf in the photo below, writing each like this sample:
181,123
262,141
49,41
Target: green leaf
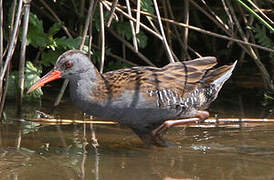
264,40
36,35
147,6
49,57
32,74
55,28
142,39
123,28
68,43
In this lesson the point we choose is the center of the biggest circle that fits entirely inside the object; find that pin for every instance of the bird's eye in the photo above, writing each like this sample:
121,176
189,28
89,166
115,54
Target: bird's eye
68,64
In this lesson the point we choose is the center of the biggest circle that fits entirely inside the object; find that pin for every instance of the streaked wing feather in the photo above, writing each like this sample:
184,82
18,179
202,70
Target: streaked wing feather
180,78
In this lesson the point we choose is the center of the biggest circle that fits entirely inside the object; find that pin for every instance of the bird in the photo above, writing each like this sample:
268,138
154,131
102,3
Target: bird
148,100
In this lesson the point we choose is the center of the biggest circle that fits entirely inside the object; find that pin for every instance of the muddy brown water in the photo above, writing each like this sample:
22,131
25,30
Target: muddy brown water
38,151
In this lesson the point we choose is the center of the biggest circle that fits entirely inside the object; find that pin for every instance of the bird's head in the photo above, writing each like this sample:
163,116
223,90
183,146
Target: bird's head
69,65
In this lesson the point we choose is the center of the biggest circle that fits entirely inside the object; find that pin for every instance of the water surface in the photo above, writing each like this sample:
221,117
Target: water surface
39,151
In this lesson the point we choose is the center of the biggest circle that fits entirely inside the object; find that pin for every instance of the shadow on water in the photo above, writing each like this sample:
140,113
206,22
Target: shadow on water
30,150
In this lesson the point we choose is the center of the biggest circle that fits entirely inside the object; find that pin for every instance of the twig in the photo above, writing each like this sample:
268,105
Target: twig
10,50
131,47
141,24
214,17
88,19
132,27
102,37
256,15
109,9
13,40
138,16
117,57
56,17
14,4
90,29
1,44
169,54
230,20
3,99
209,120
177,34
167,25
218,35
265,75
186,21
195,29
21,74
113,7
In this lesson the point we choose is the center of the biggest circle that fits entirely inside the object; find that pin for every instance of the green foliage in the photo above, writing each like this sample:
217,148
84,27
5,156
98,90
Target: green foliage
97,21
147,6
123,28
36,35
38,38
32,74
142,39
260,35
263,39
96,55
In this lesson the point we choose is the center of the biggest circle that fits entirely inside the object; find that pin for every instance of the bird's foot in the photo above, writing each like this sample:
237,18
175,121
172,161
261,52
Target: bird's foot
200,116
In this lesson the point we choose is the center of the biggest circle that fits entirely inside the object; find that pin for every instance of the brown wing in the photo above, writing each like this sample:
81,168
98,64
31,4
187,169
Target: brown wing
180,78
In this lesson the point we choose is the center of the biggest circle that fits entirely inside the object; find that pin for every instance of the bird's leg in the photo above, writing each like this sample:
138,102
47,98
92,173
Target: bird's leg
150,139
200,116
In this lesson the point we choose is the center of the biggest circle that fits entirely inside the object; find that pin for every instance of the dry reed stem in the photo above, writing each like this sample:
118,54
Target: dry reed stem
21,73
112,11
132,27
169,54
102,37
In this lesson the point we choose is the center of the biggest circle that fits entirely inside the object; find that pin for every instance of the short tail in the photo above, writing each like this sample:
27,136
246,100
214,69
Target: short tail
220,75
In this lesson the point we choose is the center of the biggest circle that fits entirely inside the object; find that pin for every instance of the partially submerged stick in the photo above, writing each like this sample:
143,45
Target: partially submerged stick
193,121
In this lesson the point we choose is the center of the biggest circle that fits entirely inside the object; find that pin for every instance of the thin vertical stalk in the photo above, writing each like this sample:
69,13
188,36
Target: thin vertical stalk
138,16
13,40
87,24
169,54
14,4
167,24
156,34
1,44
90,38
186,21
102,37
132,27
22,56
112,11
